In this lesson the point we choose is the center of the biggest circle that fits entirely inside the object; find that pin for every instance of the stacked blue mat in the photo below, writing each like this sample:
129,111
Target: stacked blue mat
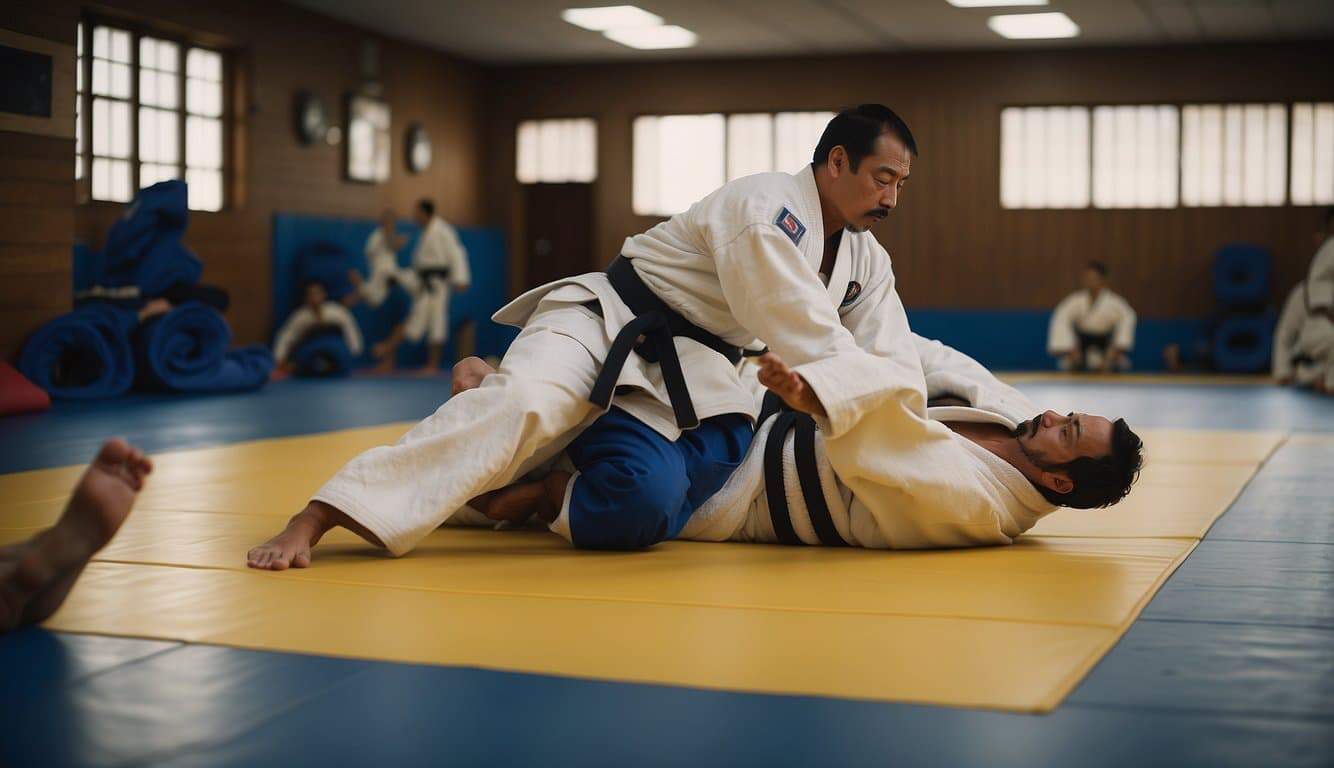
101,350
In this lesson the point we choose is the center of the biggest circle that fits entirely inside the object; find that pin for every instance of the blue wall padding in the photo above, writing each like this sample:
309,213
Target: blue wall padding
82,355
1244,343
1241,276
188,349
325,245
1016,340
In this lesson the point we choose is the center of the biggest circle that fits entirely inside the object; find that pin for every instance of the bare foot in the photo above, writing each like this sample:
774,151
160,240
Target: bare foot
468,374
291,548
35,582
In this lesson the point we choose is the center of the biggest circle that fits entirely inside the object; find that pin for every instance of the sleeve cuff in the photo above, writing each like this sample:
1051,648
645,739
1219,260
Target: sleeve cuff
822,377
561,525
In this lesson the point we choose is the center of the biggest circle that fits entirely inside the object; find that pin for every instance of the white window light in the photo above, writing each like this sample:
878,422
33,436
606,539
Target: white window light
1234,154
653,38
557,151
1033,26
678,159
993,3
610,17
1313,154
1045,157
1135,156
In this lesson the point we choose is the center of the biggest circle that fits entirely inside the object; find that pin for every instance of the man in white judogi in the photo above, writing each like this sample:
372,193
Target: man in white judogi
786,258
382,260
1092,329
439,267
1315,342
980,469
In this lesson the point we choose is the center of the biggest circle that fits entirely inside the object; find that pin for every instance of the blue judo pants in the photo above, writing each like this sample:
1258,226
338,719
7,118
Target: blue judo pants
636,488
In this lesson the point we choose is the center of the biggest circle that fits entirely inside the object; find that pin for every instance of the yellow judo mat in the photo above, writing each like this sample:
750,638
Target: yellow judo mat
1011,628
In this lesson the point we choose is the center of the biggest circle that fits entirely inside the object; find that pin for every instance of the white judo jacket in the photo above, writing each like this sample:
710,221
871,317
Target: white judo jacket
743,264
920,484
1109,313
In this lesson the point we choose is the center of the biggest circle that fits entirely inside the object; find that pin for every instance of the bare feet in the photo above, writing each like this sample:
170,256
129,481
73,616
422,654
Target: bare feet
468,374
39,573
291,548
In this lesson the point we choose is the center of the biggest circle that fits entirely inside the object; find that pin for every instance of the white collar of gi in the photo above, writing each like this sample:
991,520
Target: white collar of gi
813,216
1019,485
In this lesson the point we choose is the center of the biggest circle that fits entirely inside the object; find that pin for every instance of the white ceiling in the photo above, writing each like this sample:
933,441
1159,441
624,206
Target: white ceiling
531,31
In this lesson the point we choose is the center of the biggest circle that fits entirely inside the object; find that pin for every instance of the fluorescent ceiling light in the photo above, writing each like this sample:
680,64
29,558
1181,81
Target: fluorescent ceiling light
610,17
669,36
990,3
1032,26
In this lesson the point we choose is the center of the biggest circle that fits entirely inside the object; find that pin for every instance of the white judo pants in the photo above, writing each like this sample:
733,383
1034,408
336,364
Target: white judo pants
429,316
479,440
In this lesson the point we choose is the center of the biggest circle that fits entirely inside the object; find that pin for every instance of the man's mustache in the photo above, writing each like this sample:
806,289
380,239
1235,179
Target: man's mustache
1027,428
879,213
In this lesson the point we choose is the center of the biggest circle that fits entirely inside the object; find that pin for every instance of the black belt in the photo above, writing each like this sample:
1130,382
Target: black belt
658,324
808,476
428,273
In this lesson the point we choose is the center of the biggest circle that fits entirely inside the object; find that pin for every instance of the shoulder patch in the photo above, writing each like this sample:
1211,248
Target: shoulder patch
791,226
854,290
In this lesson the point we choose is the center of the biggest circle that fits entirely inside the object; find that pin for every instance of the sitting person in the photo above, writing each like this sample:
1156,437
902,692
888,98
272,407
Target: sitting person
37,574
317,316
1092,329
979,470
1313,347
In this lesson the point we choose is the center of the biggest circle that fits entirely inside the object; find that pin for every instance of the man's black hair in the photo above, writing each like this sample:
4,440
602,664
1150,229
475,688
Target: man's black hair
426,206
856,130
1103,481
1099,267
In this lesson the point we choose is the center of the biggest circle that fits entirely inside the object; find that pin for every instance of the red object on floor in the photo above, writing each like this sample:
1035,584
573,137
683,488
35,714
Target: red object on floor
18,395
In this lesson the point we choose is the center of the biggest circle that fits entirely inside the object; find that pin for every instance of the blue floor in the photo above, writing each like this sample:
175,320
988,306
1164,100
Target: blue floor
1232,663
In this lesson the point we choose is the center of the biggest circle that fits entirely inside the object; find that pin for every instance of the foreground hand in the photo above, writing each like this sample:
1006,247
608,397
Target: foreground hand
788,384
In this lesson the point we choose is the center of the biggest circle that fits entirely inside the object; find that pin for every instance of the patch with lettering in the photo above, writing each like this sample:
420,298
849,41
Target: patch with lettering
791,226
854,290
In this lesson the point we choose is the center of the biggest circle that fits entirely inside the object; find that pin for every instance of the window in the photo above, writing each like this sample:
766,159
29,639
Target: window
1045,157
759,143
556,151
1234,154
681,158
154,109
1135,156
678,159
1313,154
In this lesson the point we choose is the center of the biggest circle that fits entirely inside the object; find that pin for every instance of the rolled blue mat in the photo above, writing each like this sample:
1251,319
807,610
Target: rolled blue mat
84,355
187,350
1244,343
324,354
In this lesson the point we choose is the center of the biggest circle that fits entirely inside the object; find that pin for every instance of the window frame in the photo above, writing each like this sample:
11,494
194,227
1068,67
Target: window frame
1180,106
86,97
726,115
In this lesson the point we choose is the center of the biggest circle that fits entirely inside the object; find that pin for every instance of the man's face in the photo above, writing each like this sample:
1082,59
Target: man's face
387,221
1092,280
315,295
419,216
866,196
1050,439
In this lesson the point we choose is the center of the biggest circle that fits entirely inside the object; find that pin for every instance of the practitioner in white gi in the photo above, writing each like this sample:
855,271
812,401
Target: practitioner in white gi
1092,329
440,264
786,258
382,259
979,469
1314,347
316,315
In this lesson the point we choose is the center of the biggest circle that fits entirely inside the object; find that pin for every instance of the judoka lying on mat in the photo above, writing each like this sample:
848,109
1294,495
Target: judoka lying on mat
784,258
980,468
